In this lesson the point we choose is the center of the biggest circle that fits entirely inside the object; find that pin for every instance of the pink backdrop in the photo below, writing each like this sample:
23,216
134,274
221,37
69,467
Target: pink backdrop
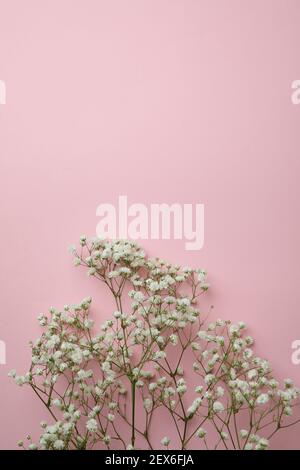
183,101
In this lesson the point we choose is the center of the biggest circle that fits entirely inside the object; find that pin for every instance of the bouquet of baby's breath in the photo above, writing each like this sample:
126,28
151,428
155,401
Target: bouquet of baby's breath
156,357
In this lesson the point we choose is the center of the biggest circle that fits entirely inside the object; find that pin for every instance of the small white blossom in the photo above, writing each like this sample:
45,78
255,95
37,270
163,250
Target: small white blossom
32,447
218,407
165,441
148,404
194,407
92,425
59,444
262,399
201,433
262,444
106,439
244,433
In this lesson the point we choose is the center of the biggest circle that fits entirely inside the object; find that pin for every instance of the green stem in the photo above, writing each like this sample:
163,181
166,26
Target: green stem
133,413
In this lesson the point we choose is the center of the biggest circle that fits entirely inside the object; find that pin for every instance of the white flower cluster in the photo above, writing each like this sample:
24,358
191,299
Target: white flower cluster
155,345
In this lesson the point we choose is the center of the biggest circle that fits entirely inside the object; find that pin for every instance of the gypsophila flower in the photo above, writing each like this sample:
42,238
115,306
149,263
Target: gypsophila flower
106,439
92,425
181,389
153,386
252,374
201,433
84,369
165,441
148,404
262,399
262,444
174,339
209,378
218,407
288,383
59,444
194,407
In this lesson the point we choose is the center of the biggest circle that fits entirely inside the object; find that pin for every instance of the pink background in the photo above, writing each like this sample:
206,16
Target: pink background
165,101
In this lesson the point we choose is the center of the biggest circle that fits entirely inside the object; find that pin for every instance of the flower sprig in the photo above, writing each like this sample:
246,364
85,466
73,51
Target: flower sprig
107,389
